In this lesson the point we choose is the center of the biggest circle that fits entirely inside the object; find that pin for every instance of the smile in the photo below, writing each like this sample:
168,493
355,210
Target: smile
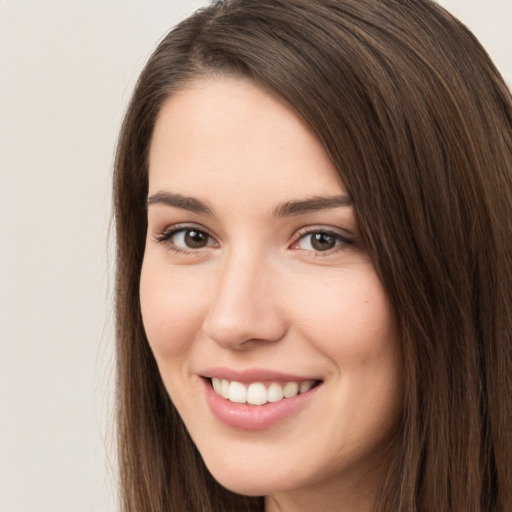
259,393
256,399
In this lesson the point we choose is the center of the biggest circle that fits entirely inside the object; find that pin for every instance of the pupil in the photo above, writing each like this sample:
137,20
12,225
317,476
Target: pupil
195,239
322,241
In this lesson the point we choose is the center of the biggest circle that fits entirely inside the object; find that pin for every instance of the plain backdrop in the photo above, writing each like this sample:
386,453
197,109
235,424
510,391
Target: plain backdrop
66,73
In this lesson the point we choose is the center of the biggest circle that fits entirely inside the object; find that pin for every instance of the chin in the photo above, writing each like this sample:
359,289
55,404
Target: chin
250,480
248,486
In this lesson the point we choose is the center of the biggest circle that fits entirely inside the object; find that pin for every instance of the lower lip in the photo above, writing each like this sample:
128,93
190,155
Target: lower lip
255,417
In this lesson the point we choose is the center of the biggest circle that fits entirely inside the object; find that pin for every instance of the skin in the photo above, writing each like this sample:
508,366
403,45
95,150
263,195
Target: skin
259,294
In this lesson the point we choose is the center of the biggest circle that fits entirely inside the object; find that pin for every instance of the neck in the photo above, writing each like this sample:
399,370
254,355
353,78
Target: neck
322,497
289,504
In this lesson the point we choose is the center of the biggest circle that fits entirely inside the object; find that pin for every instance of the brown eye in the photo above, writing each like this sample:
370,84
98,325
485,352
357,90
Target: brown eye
188,239
193,239
321,241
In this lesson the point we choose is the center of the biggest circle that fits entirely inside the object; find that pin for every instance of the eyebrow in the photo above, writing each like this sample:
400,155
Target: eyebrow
314,204
177,200
287,209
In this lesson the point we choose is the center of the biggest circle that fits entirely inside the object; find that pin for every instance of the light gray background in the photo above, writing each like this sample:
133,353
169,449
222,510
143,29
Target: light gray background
66,73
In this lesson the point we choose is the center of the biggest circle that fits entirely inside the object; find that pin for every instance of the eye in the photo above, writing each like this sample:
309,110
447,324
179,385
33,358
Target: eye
190,239
321,241
185,239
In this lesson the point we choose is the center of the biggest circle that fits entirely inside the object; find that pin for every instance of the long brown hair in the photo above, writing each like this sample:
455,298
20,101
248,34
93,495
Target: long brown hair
418,122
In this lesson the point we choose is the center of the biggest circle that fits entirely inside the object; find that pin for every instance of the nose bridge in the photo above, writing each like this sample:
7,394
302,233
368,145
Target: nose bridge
242,308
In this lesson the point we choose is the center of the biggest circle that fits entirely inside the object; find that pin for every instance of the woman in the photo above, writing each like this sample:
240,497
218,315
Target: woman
314,282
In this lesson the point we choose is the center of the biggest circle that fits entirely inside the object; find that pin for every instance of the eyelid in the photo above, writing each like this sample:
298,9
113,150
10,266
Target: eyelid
346,240
164,237
322,228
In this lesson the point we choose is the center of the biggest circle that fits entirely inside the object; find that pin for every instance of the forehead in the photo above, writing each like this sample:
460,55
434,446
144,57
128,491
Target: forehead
231,135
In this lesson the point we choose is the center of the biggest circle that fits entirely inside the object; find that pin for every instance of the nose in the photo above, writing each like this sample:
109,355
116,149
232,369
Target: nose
246,306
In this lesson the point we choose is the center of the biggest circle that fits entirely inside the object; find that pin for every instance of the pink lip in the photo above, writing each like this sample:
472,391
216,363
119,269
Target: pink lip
253,375
256,417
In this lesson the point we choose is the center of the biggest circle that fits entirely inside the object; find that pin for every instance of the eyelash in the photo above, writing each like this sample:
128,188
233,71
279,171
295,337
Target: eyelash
165,238
342,242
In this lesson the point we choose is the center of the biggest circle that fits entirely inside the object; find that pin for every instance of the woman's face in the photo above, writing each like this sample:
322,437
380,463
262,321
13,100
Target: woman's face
255,279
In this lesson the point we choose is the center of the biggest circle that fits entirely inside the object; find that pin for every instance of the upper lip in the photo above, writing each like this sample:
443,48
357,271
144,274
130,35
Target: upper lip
253,375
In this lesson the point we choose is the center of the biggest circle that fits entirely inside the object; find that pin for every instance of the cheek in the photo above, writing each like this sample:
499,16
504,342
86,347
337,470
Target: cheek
172,310
352,323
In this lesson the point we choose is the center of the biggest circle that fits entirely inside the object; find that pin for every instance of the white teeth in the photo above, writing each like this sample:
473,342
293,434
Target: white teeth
257,393
224,388
217,386
237,393
291,389
305,386
274,392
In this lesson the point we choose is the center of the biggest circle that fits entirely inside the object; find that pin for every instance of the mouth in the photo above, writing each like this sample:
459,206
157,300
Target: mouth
261,392
257,399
